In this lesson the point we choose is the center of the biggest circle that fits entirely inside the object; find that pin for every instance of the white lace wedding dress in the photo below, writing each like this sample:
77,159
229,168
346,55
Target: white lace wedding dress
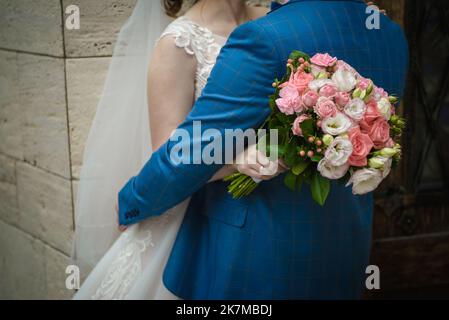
133,267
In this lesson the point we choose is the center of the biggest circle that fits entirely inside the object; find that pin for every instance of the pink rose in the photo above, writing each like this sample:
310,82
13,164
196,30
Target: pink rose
371,115
310,98
325,108
297,124
380,133
289,101
300,80
390,143
364,83
379,93
328,91
323,60
344,66
361,147
342,99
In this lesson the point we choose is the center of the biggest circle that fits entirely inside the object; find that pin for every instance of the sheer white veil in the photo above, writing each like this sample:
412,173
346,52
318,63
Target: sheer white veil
119,140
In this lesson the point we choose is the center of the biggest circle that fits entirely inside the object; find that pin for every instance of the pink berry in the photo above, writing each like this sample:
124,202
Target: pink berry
319,143
310,154
311,139
319,150
302,153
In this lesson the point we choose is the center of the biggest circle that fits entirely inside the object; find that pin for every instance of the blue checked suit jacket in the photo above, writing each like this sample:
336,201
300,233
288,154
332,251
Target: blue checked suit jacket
274,244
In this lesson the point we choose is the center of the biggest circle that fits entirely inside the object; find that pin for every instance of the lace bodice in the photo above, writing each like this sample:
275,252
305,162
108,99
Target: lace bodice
199,42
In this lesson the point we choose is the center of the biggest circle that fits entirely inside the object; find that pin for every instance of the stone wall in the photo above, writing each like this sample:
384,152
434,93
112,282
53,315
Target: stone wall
50,83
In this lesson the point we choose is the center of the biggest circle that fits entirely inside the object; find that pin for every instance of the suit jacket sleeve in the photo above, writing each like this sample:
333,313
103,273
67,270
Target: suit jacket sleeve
236,97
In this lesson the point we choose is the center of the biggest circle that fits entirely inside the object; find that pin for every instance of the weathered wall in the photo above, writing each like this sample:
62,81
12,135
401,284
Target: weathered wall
50,82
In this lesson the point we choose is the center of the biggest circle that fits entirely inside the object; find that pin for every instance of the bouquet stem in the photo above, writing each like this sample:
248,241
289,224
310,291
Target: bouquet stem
241,185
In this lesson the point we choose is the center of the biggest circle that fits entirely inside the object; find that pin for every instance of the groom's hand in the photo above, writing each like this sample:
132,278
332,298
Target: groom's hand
120,228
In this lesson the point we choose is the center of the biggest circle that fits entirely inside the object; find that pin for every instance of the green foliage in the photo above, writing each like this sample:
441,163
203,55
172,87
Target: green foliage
308,128
320,188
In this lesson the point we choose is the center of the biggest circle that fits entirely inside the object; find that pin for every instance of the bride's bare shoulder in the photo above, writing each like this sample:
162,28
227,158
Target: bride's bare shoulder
257,12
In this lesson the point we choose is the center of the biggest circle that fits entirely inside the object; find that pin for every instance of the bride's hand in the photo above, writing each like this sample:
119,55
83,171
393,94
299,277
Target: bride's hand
255,164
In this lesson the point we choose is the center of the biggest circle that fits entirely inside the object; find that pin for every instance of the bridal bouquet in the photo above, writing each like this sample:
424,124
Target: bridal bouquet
333,124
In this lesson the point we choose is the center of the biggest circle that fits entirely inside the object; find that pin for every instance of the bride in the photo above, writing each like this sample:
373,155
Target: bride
144,100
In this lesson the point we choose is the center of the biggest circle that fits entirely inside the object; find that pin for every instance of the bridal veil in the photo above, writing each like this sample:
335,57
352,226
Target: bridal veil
119,141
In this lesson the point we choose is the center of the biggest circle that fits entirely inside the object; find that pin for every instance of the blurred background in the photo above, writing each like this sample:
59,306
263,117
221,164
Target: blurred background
51,80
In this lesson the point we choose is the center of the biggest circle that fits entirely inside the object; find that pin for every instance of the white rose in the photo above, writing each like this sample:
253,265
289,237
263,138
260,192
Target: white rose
316,70
316,85
387,168
365,180
332,172
336,125
356,109
384,107
344,79
338,153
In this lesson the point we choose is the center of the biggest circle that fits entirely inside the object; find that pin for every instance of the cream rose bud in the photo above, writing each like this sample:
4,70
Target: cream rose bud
356,109
338,153
332,172
327,139
384,107
388,152
336,125
377,162
344,79
365,181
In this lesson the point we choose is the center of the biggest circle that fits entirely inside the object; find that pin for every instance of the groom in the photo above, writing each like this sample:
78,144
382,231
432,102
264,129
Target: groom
273,244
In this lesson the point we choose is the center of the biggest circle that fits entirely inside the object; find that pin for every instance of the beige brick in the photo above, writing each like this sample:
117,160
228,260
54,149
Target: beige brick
11,113
101,20
31,26
42,96
22,265
8,191
85,82
45,204
56,264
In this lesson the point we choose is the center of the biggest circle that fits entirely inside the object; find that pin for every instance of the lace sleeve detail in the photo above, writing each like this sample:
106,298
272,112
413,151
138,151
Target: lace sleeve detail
180,30
198,42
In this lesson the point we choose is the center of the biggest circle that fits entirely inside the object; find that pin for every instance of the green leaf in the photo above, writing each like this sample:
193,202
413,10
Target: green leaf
320,188
281,151
300,168
290,181
307,128
290,155
299,54
284,119
316,158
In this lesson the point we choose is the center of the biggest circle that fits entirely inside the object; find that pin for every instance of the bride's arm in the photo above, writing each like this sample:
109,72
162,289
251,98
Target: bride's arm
171,94
171,89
